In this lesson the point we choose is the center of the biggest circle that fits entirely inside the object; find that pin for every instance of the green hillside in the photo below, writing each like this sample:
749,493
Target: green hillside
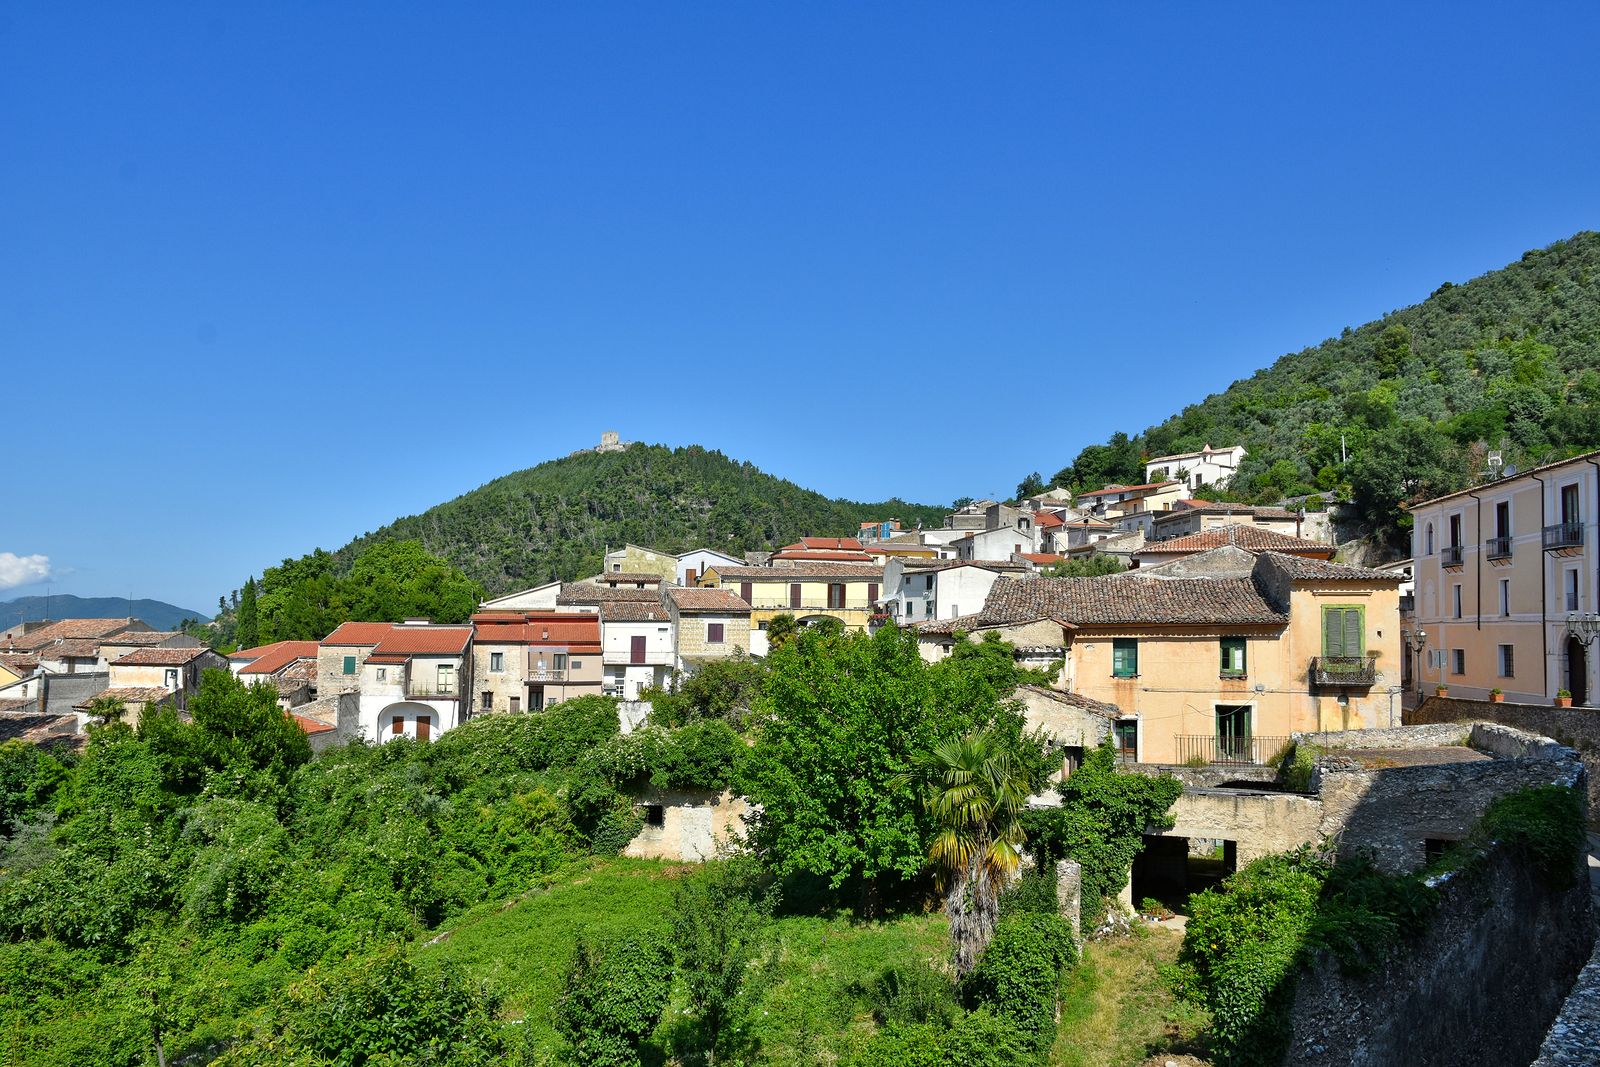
1509,360
556,520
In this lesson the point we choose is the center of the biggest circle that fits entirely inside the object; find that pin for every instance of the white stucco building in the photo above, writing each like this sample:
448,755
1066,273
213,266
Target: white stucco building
1209,466
636,647
414,681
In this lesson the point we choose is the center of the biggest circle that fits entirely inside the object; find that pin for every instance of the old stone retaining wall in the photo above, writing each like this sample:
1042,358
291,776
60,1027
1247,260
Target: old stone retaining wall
1577,727
1480,985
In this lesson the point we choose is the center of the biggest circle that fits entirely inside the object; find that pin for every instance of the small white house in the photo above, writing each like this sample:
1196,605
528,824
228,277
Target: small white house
636,647
415,680
539,598
1209,466
917,591
692,564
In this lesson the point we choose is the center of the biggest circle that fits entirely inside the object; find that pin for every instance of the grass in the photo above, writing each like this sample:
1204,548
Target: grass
1118,1011
813,1007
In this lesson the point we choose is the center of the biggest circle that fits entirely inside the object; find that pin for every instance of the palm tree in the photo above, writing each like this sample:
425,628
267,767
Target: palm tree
975,790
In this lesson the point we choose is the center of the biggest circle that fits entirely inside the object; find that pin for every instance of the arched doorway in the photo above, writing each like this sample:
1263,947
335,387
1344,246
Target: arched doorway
1577,671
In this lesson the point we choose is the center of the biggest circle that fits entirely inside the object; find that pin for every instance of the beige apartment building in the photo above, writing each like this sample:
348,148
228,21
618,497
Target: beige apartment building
1507,574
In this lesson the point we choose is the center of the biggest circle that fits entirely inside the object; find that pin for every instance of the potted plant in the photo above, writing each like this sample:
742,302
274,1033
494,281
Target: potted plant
1563,698
1497,695
1441,690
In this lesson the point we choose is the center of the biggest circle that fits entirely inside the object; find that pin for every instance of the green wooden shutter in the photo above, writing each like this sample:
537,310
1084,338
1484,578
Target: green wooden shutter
1352,632
349,665
1332,633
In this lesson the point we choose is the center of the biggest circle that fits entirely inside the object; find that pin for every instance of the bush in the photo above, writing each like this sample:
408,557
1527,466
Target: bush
614,994
976,1039
1546,824
1035,892
902,996
1019,974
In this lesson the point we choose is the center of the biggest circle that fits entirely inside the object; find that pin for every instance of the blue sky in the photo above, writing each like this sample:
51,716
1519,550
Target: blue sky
273,275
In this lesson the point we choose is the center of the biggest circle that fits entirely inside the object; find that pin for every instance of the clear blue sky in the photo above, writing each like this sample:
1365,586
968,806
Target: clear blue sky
271,277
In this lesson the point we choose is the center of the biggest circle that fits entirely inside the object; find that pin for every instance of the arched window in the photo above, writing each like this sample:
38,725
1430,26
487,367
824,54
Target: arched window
1429,535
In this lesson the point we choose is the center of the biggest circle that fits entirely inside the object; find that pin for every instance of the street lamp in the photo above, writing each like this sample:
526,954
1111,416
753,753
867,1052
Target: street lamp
1415,641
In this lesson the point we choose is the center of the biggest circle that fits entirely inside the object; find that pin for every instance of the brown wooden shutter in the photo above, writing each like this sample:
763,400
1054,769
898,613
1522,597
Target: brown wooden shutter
424,725
794,594
714,633
399,725
872,593
747,592
636,649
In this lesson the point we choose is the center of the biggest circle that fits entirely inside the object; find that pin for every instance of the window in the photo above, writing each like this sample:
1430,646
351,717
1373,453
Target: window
714,633
1569,504
1127,733
927,607
1507,663
1124,657
516,705
349,665
835,595
558,661
1502,519
1505,597
1428,538
1455,531
1455,599
1233,657
1343,633
398,727
486,700
497,662
1570,584
447,679
383,674
1233,732
577,664
172,678
655,815
1458,661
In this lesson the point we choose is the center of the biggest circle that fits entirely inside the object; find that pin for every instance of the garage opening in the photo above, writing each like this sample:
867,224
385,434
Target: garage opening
1169,869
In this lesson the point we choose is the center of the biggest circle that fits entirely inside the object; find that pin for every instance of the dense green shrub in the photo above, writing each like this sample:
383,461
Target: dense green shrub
721,689
903,996
1546,824
1035,891
973,1039
721,938
1019,974
614,994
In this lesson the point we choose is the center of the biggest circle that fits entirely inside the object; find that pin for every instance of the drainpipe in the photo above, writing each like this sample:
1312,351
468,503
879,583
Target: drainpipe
1544,608
1478,566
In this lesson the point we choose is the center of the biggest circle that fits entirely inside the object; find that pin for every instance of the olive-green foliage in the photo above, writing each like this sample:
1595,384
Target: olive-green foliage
1506,359
615,993
1248,941
840,724
1546,824
1018,977
1101,823
1295,767
721,689
1035,891
979,1038
1094,566
556,520
721,939
911,995
381,1010
29,777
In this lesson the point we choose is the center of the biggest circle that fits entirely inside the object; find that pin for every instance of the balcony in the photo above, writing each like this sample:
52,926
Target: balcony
1343,671
547,676
431,692
1228,750
1498,547
1563,535
1450,555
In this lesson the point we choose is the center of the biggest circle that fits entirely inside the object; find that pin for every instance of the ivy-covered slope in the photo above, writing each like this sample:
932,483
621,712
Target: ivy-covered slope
556,520
1509,360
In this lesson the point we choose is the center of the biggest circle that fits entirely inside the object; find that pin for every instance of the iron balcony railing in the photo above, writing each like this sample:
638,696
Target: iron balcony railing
1253,749
1343,670
1498,547
1564,535
1452,555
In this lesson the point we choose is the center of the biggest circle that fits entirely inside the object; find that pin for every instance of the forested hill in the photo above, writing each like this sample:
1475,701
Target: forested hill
557,519
1507,360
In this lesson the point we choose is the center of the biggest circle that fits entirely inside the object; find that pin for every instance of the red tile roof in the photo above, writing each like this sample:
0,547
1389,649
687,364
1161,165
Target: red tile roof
797,572
1047,519
161,657
424,641
128,694
269,659
1249,538
358,633
822,555
312,726
566,629
699,599
841,544
66,629
1042,557
1112,490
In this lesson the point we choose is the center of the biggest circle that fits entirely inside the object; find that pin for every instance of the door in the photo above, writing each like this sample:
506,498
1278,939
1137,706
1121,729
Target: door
747,593
535,697
690,575
1577,672
636,649
1233,734
424,727
794,595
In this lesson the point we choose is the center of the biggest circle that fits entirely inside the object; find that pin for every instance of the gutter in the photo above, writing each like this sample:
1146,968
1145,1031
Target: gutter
1544,581
1478,566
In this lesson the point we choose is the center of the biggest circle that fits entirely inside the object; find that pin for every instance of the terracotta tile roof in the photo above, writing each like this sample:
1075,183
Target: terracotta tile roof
836,571
1206,451
1113,490
1077,700
358,633
161,657
1303,568
633,611
626,576
936,627
701,599
540,628
424,641
128,694
19,663
924,566
66,629
822,555
589,593
1249,538
1209,507
300,672
838,544
269,659
1124,600
1047,519
1091,524
29,725
141,638
310,725
71,648
1043,557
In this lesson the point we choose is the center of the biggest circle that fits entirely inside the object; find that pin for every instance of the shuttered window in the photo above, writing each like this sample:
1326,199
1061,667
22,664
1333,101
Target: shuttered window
349,665
1233,657
1342,632
1124,657
714,633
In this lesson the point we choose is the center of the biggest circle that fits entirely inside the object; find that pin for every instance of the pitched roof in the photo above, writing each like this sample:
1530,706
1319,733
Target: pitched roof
702,599
589,593
310,725
626,576
128,694
633,611
839,571
1113,490
141,638
821,556
1249,538
1042,557
161,657
403,640
1207,451
19,663
1302,568
26,723
838,544
1208,507
1047,519
358,633
949,626
72,648
569,629
1077,700
1582,458
269,659
1123,600
67,629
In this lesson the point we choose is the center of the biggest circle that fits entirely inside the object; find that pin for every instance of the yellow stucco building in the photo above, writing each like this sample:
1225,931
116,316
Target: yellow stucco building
808,591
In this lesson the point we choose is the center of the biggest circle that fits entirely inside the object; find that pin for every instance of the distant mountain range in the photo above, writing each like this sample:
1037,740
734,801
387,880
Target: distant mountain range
157,613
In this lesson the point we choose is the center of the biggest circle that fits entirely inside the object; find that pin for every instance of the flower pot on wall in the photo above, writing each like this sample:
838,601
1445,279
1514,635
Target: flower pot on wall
1563,702
1497,698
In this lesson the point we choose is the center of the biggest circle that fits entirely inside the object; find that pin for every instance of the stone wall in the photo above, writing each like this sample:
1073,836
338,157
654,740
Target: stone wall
1577,727
1480,985
696,825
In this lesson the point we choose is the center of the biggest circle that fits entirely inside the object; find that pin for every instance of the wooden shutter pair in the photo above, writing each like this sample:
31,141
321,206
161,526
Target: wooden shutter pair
1341,632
